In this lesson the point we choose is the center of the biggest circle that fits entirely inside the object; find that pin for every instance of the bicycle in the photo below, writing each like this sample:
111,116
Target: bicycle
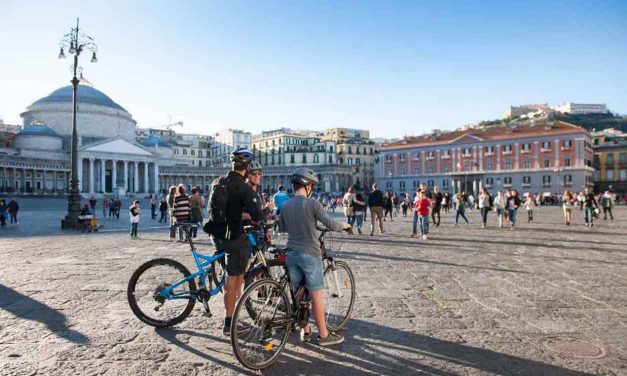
277,310
162,303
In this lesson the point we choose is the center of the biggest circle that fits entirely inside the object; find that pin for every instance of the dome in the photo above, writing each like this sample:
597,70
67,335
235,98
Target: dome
153,141
86,94
37,130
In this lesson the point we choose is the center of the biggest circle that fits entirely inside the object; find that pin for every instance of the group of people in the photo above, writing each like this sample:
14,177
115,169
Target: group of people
110,207
10,210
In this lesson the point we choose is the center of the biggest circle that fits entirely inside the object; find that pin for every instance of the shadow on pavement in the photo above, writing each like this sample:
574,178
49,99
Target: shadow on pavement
27,308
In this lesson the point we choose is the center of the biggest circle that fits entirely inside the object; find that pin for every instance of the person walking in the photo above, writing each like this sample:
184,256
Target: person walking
607,203
170,202
3,213
359,209
446,202
485,204
134,212
163,209
376,203
105,207
568,203
13,208
153,207
181,209
388,206
438,197
197,203
92,204
348,204
460,208
111,207
499,206
405,205
513,203
530,205
423,205
118,206
590,205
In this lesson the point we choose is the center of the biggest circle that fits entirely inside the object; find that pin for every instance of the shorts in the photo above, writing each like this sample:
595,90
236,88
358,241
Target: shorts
305,269
237,254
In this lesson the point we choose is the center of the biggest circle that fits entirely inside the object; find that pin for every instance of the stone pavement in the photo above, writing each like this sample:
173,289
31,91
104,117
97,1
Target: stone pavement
544,299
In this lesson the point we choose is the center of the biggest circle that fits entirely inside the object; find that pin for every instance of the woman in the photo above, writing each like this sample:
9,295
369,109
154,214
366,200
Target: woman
197,203
568,203
590,206
387,200
460,207
134,213
170,202
359,210
348,204
499,206
530,204
105,207
484,206
513,202
3,213
181,208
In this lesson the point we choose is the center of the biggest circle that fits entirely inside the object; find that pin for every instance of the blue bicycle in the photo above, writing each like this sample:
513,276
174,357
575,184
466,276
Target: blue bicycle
162,292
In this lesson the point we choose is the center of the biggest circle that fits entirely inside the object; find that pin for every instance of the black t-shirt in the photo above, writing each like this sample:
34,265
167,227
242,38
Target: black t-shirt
437,197
241,199
375,198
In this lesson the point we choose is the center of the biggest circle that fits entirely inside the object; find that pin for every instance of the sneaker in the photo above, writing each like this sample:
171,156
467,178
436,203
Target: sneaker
359,231
305,337
413,235
226,330
331,339
511,228
424,236
372,234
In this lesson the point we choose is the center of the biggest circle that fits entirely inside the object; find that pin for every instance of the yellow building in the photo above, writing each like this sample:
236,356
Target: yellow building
355,149
610,160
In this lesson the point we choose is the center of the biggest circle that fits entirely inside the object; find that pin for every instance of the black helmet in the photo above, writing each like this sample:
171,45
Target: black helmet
255,166
242,155
304,176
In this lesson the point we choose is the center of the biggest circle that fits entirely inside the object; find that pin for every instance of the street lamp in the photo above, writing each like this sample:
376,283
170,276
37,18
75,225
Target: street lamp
557,173
75,42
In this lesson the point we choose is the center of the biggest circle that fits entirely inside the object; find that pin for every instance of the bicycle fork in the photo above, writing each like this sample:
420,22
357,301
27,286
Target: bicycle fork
336,281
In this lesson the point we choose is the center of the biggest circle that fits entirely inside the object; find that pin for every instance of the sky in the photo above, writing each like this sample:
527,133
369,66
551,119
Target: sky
393,67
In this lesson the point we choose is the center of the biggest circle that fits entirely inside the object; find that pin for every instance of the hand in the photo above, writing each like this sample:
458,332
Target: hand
270,206
245,217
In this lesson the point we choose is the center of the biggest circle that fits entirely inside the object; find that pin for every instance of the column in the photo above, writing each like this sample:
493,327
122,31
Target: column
156,179
480,154
91,175
536,154
459,185
54,181
498,157
79,172
557,153
126,184
146,188
437,163
474,187
114,177
480,184
136,178
103,176
516,156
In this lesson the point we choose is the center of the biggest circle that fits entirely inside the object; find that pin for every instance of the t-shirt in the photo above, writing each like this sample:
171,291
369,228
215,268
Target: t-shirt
422,205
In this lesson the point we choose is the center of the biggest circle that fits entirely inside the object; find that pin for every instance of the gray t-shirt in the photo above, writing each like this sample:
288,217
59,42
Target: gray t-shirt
299,216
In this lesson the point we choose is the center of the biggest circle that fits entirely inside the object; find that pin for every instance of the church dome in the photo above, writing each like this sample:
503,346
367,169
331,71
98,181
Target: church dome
85,94
37,130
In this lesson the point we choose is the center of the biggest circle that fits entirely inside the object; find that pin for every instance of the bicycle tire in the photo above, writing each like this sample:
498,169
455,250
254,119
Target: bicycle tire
276,290
217,274
344,316
146,318
256,274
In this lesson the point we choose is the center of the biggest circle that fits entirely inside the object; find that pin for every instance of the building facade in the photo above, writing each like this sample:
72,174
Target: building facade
356,150
224,142
581,108
535,156
610,160
516,111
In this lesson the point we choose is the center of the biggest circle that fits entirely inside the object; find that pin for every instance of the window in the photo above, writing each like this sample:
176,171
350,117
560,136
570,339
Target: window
184,151
490,165
568,180
507,181
466,152
401,185
357,161
350,151
489,182
567,162
609,174
199,163
193,152
176,151
508,164
622,158
402,157
445,168
402,171
507,149
430,183
547,162
416,171
597,175
526,148
567,144
466,166
416,183
388,185
623,174
292,159
199,153
527,163
349,160
610,158
489,150
546,145
330,159
546,180
445,183
597,160
526,180
430,168
316,158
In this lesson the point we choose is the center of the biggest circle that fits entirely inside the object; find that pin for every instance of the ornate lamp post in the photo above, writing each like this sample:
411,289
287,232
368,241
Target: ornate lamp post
76,43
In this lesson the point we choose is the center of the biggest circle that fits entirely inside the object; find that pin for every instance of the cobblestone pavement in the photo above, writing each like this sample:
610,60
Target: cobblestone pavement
544,299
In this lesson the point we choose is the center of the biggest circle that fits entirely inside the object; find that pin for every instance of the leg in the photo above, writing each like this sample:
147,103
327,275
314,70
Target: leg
373,220
318,312
415,221
457,217
380,218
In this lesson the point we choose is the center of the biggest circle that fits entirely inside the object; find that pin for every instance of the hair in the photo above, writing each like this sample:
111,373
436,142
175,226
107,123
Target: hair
173,189
281,188
180,189
422,193
351,189
136,202
2,202
195,190
375,186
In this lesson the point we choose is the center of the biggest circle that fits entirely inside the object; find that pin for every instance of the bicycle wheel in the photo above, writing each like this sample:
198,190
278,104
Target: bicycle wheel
258,340
273,271
339,295
218,271
146,302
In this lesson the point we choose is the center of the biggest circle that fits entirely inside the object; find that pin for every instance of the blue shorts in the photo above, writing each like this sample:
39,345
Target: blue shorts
305,269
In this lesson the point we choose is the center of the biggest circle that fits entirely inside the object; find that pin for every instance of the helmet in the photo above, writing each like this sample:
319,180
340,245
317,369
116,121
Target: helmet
304,176
255,166
242,155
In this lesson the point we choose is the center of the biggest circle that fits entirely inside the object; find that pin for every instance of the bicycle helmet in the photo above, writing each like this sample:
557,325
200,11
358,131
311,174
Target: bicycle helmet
255,166
304,176
242,155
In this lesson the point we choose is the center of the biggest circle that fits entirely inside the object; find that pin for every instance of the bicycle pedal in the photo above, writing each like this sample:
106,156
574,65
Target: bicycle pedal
208,314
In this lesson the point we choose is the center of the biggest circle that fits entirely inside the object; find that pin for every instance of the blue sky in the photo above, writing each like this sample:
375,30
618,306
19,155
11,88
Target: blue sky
395,68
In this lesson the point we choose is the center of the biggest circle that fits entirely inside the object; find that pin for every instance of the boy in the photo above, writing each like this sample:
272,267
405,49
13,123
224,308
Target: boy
423,206
299,216
133,212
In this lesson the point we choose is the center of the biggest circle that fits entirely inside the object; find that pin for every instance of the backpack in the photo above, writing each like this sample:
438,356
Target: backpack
491,201
218,198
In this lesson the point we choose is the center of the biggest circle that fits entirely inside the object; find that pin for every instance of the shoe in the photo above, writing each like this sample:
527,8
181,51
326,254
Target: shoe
455,224
511,228
359,231
372,234
413,235
466,224
482,226
331,339
424,237
226,330
305,337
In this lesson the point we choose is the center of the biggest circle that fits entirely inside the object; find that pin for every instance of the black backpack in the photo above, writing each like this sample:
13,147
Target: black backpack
218,198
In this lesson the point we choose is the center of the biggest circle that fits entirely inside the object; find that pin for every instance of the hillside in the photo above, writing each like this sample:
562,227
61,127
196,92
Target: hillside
595,121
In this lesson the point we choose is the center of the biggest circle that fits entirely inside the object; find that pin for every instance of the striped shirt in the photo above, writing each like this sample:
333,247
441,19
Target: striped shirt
181,208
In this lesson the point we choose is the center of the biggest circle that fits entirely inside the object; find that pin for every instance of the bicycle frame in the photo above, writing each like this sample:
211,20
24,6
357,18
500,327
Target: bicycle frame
203,263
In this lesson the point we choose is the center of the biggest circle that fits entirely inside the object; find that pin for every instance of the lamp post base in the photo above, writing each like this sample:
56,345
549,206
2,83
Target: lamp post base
70,222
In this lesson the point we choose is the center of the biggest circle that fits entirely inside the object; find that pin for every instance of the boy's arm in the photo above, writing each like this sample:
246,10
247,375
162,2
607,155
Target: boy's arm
323,217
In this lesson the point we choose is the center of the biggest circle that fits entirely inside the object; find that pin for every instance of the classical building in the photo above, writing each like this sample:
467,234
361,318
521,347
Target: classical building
580,108
516,111
225,142
610,160
534,156
355,149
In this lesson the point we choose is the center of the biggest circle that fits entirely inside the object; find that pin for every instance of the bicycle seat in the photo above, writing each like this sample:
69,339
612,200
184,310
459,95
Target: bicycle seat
276,250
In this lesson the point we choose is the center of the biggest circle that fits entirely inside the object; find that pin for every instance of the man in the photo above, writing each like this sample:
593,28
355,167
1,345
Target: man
279,199
299,217
231,237
589,204
92,204
606,204
254,181
14,207
376,203
437,205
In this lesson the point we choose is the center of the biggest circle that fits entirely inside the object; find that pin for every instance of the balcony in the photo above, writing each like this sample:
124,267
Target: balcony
525,151
488,154
565,148
545,150
467,155
507,152
526,185
446,156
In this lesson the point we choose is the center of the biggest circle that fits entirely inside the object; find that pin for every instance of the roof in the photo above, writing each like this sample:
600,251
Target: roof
485,133
37,130
85,94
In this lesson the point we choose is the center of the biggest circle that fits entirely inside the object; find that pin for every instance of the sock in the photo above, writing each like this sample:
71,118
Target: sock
227,322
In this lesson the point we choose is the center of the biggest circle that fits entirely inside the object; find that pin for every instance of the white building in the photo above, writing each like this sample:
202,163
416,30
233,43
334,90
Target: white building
580,108
225,142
